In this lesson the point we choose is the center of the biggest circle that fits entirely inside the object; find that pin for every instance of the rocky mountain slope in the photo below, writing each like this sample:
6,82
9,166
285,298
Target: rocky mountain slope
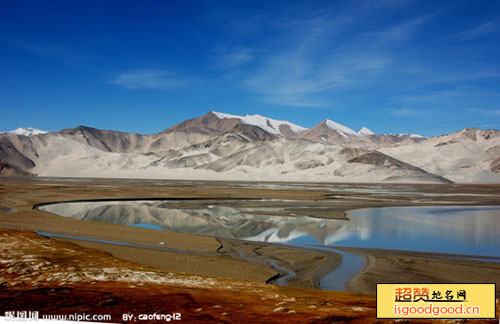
218,146
6,169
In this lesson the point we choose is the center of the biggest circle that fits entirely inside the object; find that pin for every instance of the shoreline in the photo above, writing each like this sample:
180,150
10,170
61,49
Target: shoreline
419,267
55,277
23,195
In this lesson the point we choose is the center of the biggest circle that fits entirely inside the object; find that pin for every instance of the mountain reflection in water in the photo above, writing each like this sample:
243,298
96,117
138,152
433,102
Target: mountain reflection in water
458,230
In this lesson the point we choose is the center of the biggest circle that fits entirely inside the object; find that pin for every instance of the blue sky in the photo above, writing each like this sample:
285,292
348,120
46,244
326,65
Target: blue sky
428,67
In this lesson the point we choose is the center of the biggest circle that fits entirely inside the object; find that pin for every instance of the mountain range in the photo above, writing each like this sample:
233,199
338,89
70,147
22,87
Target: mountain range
219,146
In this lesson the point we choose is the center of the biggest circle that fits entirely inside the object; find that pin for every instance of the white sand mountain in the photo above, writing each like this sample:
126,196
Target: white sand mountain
220,146
470,155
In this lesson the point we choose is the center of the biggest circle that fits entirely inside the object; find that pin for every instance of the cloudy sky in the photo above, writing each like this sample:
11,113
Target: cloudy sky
428,67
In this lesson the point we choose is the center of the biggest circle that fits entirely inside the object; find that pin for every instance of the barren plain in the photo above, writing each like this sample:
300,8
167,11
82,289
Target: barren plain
204,277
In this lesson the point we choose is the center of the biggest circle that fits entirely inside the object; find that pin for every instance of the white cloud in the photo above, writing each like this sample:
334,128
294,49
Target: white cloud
306,65
292,79
477,31
312,60
409,112
234,58
384,4
56,52
430,97
293,101
148,79
402,31
486,111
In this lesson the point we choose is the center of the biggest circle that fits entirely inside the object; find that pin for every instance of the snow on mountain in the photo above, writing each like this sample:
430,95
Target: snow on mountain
275,127
406,135
28,131
341,129
218,146
272,126
365,132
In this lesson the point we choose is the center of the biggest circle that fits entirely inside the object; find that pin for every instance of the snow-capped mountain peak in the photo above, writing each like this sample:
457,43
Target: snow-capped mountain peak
406,135
28,131
269,125
365,132
341,129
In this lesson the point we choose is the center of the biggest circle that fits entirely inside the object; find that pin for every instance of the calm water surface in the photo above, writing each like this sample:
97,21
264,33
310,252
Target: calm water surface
457,230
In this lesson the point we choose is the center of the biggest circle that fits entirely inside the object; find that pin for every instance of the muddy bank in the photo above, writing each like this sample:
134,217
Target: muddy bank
5,210
329,201
55,277
308,266
391,266
209,264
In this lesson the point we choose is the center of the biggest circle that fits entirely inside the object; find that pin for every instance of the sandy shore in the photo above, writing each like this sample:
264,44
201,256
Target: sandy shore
210,265
219,258
54,277
390,266
308,266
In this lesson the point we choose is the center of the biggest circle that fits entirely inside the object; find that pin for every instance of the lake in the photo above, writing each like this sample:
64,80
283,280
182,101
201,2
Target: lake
470,230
